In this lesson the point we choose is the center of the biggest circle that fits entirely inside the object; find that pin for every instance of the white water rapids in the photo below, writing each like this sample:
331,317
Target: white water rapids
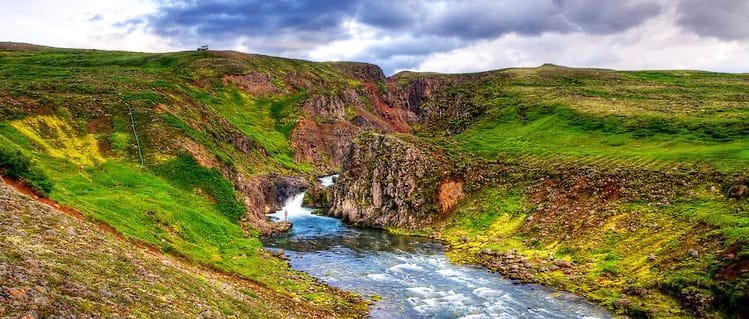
412,276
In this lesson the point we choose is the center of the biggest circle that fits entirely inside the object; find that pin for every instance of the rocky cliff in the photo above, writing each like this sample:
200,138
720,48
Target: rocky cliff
390,182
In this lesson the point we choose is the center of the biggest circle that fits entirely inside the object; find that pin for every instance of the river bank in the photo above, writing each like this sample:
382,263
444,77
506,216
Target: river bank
411,277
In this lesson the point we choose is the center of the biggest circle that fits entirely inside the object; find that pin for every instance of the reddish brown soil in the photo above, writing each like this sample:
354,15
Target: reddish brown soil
255,83
397,118
449,194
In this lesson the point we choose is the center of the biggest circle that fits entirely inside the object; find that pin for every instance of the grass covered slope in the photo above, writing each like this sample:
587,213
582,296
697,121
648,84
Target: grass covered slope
108,277
66,113
653,119
627,187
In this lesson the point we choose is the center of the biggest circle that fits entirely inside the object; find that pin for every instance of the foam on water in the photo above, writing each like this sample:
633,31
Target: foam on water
380,277
412,276
422,291
484,292
327,181
405,267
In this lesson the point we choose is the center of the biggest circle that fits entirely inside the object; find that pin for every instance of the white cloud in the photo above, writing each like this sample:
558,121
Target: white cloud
656,44
80,23
361,38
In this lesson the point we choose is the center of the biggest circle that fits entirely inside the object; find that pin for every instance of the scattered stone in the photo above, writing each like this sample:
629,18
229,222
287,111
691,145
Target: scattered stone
281,227
622,303
562,263
30,315
739,192
17,293
210,314
280,254
694,252
651,257
41,301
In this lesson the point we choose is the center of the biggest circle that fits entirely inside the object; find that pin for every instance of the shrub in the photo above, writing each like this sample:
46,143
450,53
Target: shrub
185,172
15,164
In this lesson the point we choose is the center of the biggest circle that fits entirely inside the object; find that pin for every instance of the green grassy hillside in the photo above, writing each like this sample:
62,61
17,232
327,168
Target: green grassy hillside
111,278
631,177
66,112
634,182
653,119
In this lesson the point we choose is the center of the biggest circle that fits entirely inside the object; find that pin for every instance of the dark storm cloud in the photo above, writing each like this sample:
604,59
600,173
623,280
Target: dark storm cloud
219,20
723,19
385,13
410,29
601,17
460,19
476,19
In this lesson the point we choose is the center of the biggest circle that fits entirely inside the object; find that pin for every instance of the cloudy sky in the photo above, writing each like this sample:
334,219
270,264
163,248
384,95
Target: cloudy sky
425,35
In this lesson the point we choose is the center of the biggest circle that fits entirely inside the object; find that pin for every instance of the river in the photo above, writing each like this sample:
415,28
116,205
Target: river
411,276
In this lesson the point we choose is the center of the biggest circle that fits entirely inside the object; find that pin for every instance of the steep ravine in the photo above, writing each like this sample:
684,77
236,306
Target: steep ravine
627,187
410,277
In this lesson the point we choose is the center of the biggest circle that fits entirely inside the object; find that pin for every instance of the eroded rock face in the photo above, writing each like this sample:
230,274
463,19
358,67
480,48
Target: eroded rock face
307,142
318,196
322,145
413,95
330,108
388,182
254,83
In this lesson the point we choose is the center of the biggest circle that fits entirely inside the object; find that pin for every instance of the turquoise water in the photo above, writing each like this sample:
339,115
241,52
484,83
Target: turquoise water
411,275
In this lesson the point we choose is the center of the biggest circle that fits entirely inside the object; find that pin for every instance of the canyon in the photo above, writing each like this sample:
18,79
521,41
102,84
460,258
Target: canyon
626,187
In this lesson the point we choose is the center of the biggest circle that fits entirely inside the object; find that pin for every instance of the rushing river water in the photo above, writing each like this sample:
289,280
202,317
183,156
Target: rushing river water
411,275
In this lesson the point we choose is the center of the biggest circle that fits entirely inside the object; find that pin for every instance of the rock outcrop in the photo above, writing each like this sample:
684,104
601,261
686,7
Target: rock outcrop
412,93
318,196
389,182
264,194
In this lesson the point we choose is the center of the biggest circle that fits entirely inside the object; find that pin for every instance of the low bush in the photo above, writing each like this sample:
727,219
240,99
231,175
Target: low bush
15,164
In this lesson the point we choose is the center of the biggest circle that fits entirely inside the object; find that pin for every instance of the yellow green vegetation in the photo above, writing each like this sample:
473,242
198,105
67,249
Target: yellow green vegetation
653,120
636,259
60,140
